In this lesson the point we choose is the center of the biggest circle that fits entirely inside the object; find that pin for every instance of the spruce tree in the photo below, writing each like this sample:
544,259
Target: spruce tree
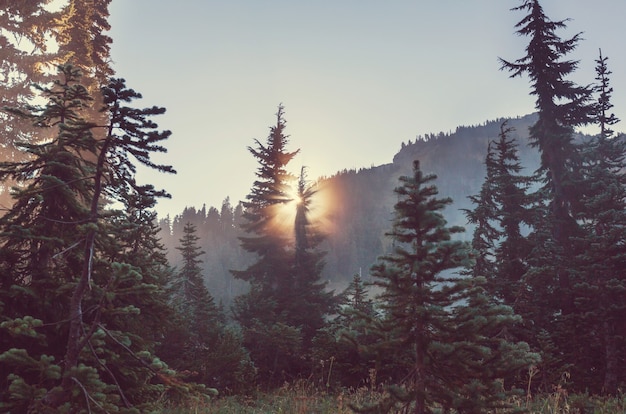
198,343
562,105
286,302
343,345
274,343
82,39
78,289
439,326
40,237
191,297
553,278
602,255
34,37
22,23
311,303
502,208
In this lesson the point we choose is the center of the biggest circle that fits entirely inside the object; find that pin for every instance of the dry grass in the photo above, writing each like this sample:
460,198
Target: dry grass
303,398
300,398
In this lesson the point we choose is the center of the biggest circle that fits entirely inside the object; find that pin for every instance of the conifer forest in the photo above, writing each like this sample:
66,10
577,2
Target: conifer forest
482,271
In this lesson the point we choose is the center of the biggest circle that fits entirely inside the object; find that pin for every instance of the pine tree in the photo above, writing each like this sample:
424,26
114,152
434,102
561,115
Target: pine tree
311,303
22,23
193,299
82,39
286,303
40,238
82,287
552,279
35,38
561,105
199,343
502,208
603,255
274,343
483,216
439,326
343,344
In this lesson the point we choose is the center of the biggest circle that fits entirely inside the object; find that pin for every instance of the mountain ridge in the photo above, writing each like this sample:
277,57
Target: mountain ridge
358,205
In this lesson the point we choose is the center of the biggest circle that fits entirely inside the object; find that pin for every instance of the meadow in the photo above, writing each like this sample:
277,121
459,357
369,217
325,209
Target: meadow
303,398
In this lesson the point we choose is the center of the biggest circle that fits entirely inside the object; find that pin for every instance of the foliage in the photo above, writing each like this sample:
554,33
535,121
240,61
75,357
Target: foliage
197,342
82,287
561,105
566,291
601,284
341,346
501,209
440,328
34,38
287,302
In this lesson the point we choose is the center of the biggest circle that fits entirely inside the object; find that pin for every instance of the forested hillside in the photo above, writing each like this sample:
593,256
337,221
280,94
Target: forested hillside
358,205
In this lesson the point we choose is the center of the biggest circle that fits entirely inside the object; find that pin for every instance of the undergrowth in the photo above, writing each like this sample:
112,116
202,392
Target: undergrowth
303,398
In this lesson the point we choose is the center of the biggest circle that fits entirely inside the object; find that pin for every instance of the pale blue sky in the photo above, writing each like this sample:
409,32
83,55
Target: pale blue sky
356,77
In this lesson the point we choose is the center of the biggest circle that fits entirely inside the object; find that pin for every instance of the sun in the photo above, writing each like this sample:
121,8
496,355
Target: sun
318,206
286,210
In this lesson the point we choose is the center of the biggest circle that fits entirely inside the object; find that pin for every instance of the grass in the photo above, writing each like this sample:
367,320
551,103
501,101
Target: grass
302,398
290,399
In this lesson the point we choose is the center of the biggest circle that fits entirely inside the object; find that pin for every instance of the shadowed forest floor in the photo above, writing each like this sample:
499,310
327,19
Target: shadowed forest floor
304,400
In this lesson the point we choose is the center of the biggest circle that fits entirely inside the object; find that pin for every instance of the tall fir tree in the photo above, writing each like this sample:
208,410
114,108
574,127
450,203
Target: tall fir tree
439,326
22,23
311,301
562,105
602,255
552,276
286,301
35,38
76,302
82,39
191,297
274,342
199,343
502,208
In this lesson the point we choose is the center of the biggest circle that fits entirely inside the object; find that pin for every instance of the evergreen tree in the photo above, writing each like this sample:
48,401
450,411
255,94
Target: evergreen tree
82,39
343,344
33,39
311,303
41,228
501,209
77,286
439,326
286,302
274,343
603,254
22,23
552,277
486,233
561,105
199,344
191,296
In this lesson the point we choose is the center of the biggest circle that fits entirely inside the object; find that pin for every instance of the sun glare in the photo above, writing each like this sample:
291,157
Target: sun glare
319,212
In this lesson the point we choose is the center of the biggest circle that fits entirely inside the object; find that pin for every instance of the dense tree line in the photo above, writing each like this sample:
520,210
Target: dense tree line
94,317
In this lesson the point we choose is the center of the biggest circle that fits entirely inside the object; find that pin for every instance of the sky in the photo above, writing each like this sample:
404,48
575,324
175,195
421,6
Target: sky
357,78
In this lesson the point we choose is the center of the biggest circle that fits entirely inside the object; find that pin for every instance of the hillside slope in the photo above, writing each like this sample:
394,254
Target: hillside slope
356,206
364,199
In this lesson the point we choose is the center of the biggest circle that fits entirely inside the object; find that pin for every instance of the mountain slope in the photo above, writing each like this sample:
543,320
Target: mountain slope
356,206
364,199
